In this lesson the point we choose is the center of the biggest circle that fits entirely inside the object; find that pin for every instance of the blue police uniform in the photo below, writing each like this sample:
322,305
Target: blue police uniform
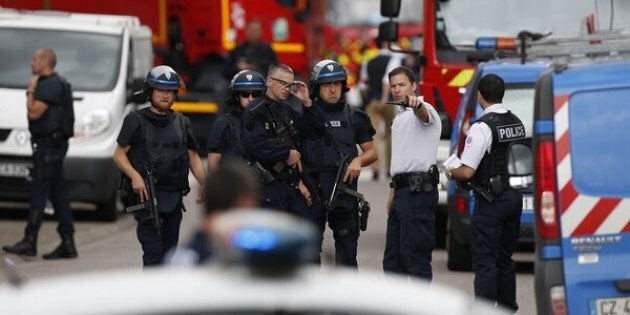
346,127
495,223
271,129
47,179
225,136
162,141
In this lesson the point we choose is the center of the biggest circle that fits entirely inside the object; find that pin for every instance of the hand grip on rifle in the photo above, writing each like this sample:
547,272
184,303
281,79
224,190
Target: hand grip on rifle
150,204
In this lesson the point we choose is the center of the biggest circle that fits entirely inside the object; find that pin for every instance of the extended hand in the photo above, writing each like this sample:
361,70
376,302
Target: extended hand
352,171
138,186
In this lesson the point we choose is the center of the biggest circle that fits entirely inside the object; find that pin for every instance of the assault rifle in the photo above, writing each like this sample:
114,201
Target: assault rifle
150,204
341,187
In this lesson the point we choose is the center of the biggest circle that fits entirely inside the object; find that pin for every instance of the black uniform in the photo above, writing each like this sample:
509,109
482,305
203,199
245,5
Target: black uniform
225,136
346,127
270,130
496,223
50,145
163,142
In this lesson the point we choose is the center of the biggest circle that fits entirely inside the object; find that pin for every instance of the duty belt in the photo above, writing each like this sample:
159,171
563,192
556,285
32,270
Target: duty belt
416,181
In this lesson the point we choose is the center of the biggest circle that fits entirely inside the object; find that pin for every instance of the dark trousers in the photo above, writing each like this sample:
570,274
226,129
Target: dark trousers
280,195
343,220
495,231
411,233
155,246
47,181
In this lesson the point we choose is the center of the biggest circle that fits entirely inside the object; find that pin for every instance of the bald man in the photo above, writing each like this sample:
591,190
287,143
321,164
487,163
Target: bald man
46,99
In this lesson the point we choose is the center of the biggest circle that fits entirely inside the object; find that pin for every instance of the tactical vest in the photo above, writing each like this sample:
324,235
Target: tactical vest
165,151
506,128
323,153
278,122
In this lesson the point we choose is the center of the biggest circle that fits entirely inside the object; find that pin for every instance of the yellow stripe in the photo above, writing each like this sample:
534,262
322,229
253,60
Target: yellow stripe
462,78
161,36
295,48
196,108
225,25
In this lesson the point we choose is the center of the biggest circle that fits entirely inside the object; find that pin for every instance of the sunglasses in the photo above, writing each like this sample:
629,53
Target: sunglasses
249,94
284,84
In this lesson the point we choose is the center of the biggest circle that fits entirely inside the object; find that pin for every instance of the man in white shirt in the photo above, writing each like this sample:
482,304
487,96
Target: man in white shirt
413,197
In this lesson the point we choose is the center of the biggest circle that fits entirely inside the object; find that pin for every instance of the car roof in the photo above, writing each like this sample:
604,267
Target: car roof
219,288
592,76
512,71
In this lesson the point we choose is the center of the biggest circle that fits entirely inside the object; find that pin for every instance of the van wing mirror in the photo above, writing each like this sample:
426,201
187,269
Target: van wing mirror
390,8
520,165
388,31
135,95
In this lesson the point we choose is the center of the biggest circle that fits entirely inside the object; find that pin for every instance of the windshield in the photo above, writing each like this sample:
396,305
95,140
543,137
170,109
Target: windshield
89,61
361,12
508,17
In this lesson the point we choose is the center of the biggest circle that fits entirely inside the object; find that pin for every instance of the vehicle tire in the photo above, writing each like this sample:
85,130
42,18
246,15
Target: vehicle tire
459,258
108,210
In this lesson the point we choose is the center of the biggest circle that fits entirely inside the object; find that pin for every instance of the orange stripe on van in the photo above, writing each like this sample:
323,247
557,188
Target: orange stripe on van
568,194
562,146
559,100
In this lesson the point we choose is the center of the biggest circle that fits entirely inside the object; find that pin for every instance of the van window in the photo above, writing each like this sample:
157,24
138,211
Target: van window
520,101
599,142
89,61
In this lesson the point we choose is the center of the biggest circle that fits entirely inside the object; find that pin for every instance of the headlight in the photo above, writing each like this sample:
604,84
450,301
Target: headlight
92,123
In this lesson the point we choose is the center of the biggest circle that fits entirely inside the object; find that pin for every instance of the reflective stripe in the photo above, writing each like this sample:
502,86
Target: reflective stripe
462,78
198,108
543,127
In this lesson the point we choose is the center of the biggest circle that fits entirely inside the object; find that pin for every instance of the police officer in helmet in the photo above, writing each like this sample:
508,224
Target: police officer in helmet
225,136
158,140
496,220
272,135
346,127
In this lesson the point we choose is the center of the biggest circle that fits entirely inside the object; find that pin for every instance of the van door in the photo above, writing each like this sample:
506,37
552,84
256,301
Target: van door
592,145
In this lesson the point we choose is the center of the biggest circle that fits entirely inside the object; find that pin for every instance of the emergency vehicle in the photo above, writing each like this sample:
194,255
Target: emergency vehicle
582,180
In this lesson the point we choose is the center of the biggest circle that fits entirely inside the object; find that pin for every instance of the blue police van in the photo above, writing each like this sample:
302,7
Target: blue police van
519,80
581,147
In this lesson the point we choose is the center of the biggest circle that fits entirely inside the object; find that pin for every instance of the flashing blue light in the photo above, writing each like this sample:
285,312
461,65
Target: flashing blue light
486,43
255,239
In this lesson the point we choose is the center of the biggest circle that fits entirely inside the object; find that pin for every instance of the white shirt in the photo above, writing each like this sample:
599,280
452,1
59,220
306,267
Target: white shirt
414,142
479,139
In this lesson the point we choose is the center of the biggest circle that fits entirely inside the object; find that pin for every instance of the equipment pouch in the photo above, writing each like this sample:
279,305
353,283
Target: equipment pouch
496,185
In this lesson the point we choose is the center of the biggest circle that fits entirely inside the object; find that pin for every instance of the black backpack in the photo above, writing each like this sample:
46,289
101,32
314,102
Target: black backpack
67,108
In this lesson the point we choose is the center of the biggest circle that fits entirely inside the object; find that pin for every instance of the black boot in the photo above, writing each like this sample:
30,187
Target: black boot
27,246
65,250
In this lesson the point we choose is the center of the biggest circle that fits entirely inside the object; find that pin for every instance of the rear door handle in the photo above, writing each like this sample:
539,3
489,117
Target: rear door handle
623,285
77,98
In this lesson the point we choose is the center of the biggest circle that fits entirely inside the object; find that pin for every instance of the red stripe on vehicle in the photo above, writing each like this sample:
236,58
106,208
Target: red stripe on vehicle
627,228
559,100
568,194
562,147
596,216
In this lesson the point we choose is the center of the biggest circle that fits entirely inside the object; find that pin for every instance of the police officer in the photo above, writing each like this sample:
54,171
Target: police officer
45,101
413,196
346,128
225,137
496,220
272,137
158,140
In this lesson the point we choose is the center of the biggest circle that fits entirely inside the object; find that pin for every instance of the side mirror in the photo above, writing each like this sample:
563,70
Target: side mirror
520,165
390,8
388,31
134,92
446,126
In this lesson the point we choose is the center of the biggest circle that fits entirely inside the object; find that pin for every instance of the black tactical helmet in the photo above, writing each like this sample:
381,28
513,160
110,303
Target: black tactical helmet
247,80
163,78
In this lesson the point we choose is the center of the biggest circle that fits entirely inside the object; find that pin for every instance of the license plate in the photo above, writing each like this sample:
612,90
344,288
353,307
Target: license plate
528,203
14,169
611,306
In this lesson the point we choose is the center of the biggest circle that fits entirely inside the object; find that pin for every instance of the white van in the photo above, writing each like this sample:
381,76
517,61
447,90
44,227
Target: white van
105,58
